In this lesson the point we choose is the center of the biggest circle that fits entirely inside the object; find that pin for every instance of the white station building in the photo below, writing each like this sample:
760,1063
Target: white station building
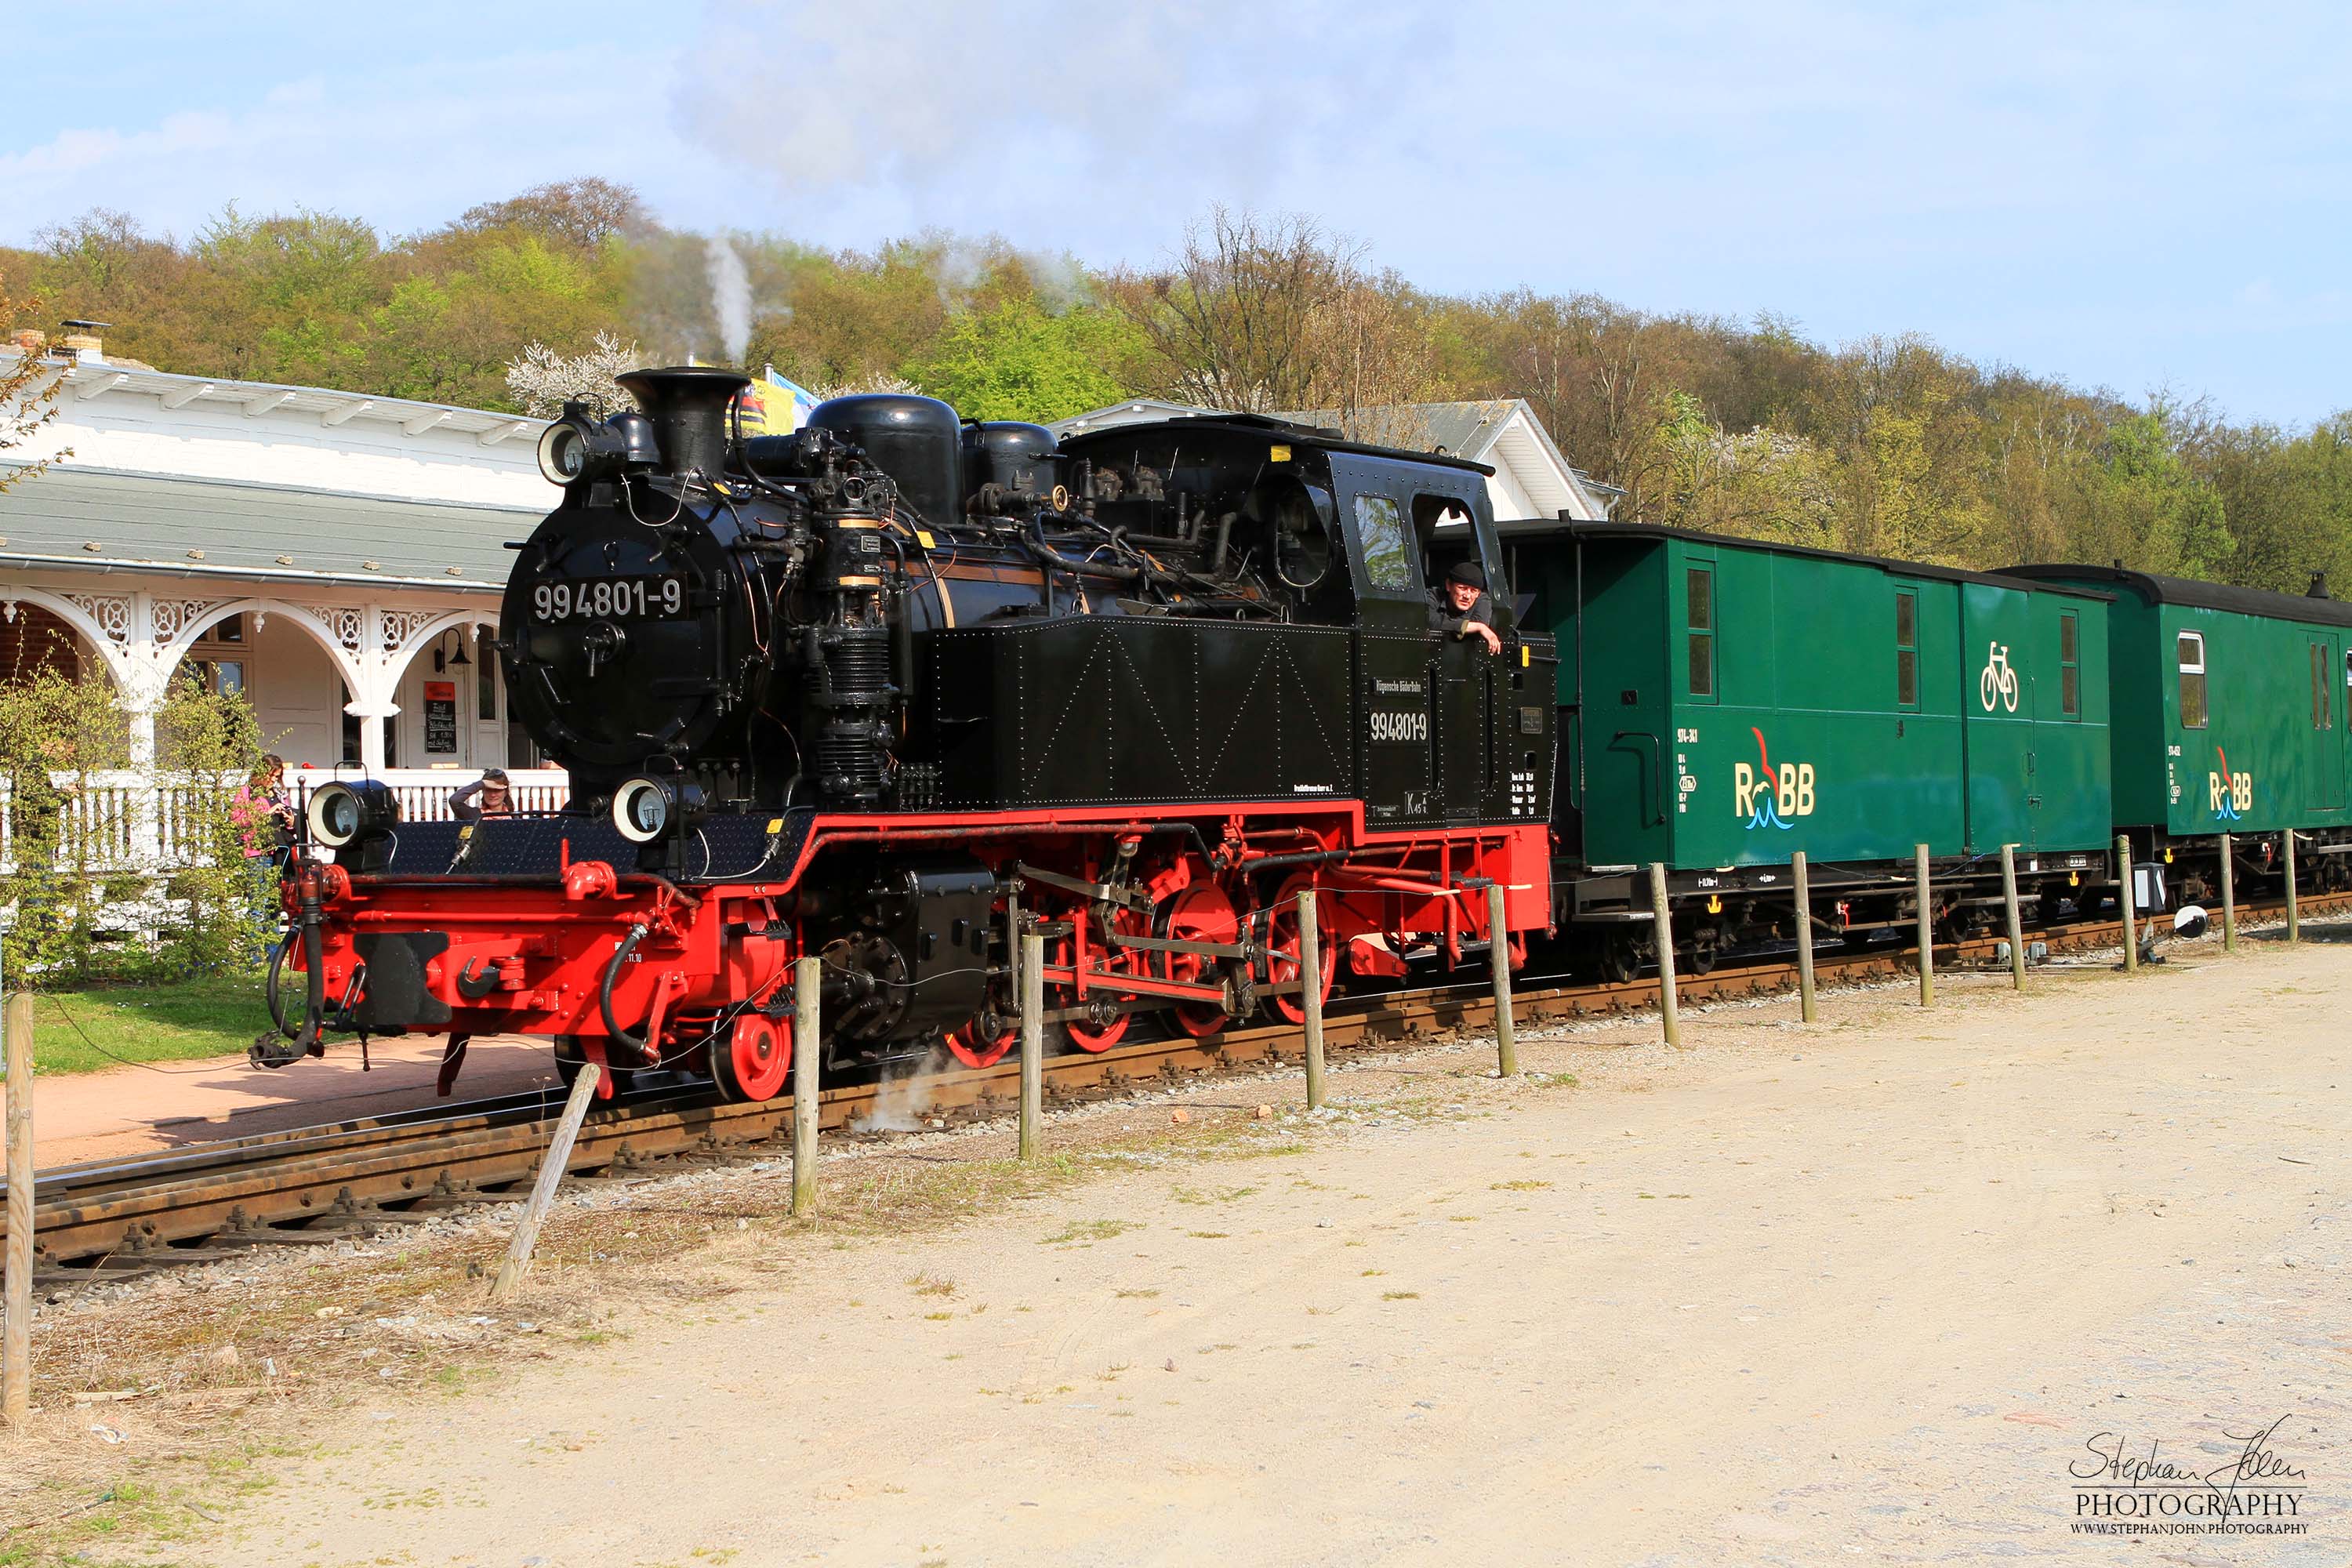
338,558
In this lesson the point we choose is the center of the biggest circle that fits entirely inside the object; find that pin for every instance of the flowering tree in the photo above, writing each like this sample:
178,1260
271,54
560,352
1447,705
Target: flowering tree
544,381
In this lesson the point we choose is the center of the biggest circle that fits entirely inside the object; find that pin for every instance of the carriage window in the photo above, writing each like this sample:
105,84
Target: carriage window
1699,619
1906,649
2191,655
2070,670
2323,687
1387,550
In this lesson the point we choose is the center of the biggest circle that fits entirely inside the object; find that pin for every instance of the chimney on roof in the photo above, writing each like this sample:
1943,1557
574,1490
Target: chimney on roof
83,341
2318,589
31,342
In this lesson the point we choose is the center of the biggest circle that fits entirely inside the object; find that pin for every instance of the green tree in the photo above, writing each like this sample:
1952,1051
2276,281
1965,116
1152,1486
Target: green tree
1016,361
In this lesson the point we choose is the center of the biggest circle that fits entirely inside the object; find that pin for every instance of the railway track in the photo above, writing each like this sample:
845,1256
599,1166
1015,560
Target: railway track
313,1187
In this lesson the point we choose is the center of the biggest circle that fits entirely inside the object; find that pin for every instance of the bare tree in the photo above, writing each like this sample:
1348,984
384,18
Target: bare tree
28,392
1228,324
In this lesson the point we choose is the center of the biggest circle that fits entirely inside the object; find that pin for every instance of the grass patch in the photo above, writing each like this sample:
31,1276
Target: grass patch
1400,1295
1518,1186
1090,1230
89,1031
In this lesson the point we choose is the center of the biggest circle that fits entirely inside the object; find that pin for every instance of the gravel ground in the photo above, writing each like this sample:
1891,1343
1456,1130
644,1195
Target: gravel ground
1862,1292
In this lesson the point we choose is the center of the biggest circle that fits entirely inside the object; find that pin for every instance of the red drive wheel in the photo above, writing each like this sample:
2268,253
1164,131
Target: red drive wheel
754,1059
974,1048
1201,912
1098,1033
1282,948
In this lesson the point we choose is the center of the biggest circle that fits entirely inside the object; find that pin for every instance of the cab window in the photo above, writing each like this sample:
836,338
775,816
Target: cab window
1386,548
2190,651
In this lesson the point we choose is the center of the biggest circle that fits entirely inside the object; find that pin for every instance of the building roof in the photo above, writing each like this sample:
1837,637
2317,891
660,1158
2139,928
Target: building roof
79,519
2313,609
92,376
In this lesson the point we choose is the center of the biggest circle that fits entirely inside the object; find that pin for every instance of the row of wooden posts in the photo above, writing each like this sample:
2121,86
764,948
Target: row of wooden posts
15,1308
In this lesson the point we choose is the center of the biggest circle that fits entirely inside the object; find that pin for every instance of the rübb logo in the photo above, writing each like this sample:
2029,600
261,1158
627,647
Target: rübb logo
2230,795
1769,797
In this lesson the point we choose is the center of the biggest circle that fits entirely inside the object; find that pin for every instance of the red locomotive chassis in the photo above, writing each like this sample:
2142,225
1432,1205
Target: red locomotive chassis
1189,911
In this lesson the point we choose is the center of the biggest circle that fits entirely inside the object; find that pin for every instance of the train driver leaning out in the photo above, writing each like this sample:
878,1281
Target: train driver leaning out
489,795
1464,609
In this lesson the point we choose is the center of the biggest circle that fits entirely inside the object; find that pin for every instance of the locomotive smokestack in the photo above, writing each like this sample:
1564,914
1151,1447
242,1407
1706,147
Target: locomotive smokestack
688,407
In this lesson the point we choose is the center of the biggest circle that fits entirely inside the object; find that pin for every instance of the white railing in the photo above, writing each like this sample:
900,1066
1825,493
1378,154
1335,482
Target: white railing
122,821
116,820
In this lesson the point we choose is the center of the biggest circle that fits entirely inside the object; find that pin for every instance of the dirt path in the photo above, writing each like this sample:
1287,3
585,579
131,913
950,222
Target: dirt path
163,1105
1858,1293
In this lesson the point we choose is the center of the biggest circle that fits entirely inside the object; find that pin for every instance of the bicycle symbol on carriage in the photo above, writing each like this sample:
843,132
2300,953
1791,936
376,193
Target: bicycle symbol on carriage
1998,681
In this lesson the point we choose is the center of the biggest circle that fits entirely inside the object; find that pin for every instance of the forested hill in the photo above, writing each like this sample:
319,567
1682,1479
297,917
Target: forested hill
1890,446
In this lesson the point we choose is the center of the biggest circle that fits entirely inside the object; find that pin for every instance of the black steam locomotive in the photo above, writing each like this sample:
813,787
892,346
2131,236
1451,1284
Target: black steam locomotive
891,688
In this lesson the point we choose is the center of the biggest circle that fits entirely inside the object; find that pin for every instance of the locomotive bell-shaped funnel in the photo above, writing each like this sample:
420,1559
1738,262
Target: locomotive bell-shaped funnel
688,407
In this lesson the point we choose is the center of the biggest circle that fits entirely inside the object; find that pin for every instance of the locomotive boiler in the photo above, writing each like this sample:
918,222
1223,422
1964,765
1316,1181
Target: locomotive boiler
894,688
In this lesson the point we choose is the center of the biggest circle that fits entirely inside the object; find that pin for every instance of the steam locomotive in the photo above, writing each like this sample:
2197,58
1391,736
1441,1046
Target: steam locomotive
892,688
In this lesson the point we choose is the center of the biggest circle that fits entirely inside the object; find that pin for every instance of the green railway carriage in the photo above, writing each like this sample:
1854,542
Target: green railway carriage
2231,716
1725,702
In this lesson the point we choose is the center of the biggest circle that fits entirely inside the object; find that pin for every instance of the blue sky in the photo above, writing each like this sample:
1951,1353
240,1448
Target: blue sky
2134,197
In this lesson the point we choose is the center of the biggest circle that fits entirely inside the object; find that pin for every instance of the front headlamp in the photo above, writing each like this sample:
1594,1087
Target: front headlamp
578,446
645,808
344,813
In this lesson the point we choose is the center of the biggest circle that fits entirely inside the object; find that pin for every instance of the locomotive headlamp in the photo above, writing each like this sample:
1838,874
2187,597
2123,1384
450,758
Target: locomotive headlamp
562,452
645,808
577,447
342,814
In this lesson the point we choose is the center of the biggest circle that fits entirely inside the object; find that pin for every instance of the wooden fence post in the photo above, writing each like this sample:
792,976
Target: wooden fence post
2294,909
808,999
1499,953
2228,895
1926,918
1311,993
2124,903
1033,1040
552,1169
1804,937
1663,938
2016,919
17,1345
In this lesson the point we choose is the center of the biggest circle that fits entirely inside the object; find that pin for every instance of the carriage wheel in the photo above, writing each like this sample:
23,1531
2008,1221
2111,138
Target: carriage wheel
1620,960
1201,912
752,1062
1282,949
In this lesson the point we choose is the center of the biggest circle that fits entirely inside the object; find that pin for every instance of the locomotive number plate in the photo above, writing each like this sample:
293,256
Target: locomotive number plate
609,598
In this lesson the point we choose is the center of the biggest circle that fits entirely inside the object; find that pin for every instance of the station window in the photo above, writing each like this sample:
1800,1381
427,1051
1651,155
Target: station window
2323,687
1699,619
1907,649
2070,667
486,676
2191,649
